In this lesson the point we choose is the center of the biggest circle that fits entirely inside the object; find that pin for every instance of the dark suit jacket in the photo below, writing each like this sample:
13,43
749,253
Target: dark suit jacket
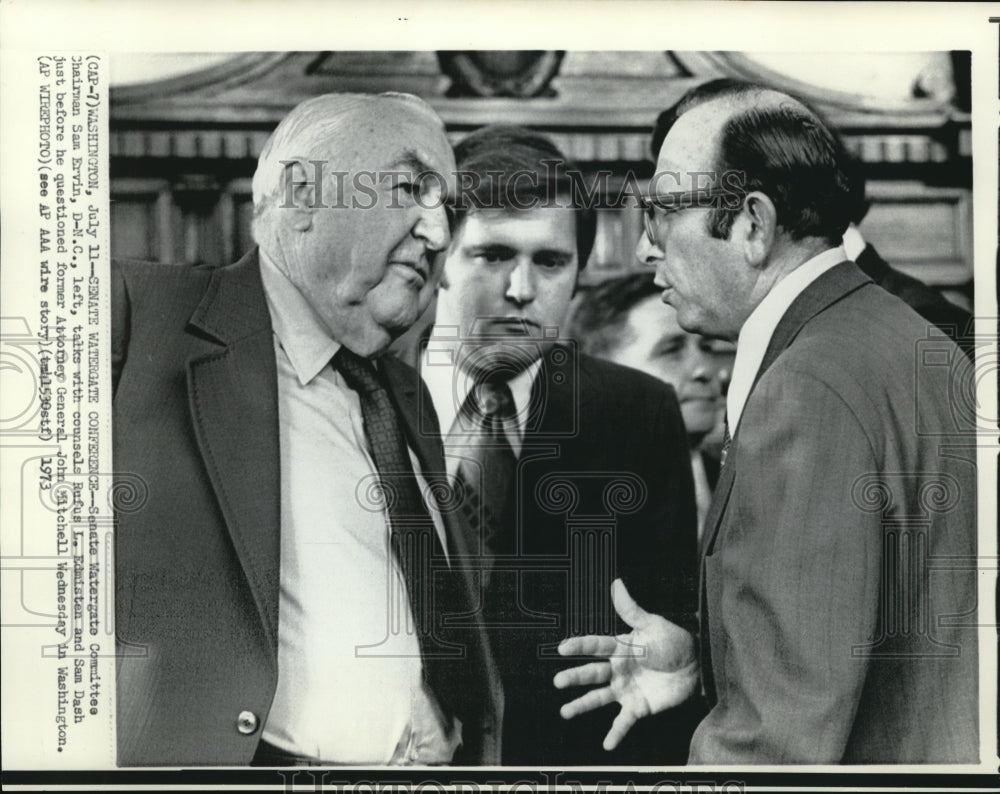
710,460
604,490
197,456
838,577
953,320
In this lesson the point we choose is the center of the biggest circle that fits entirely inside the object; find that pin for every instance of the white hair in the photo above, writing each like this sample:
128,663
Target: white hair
311,131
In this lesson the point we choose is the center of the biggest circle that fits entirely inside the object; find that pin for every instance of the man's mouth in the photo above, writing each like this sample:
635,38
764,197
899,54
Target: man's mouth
504,326
705,398
515,324
416,271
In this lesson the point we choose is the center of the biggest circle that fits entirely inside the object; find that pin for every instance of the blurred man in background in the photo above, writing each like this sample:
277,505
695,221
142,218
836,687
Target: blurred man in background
625,320
952,320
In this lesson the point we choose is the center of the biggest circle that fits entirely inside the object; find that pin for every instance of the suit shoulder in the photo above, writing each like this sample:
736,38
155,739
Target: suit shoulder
928,303
624,385
609,372
140,274
865,349
922,298
867,324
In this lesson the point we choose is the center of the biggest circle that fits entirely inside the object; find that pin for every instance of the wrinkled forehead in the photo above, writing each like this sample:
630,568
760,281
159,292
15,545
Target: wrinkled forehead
538,228
400,134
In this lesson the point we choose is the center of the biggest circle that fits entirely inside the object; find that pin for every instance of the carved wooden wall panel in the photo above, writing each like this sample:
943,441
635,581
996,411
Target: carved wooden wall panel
183,150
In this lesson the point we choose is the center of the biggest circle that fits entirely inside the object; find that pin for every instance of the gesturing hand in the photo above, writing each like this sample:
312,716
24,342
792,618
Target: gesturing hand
649,670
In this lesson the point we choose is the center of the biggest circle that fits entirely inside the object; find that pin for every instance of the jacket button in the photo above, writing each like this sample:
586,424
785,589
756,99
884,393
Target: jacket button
246,722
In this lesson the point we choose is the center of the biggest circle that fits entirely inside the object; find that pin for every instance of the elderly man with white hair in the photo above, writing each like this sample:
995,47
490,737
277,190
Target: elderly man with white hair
286,574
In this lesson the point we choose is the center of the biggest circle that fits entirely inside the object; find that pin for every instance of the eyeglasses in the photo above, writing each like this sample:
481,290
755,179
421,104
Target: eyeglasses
667,203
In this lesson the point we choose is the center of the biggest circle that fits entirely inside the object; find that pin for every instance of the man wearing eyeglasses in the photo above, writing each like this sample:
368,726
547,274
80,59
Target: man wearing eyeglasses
574,471
837,613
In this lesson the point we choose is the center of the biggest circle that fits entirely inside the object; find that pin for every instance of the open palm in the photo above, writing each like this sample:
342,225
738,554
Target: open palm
649,670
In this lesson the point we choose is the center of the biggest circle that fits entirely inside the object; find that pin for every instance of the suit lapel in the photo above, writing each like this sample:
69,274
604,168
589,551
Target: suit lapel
833,285
478,673
234,406
562,388
830,287
416,411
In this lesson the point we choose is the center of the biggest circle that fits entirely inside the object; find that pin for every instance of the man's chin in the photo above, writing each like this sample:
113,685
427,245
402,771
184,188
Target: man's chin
699,416
506,357
397,317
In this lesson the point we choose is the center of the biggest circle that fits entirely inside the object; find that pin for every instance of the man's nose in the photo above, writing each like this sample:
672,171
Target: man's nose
432,227
646,253
521,288
701,366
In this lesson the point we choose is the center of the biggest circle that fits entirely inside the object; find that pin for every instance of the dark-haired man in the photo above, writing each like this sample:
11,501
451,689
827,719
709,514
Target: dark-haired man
953,320
574,471
825,635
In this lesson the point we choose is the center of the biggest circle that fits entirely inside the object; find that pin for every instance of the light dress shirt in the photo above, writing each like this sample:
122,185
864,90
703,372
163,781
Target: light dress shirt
756,333
350,688
450,384
854,243
702,490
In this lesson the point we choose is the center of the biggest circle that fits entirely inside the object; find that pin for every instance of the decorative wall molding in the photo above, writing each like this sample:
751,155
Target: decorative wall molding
932,89
585,147
520,74
550,89
183,149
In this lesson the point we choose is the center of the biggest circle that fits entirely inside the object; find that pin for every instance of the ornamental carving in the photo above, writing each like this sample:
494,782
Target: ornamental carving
501,73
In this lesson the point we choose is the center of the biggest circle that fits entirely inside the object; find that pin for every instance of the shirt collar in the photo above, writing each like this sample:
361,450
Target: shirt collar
854,243
756,333
300,332
449,384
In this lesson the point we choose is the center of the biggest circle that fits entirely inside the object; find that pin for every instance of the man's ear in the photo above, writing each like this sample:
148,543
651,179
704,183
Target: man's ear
759,227
302,193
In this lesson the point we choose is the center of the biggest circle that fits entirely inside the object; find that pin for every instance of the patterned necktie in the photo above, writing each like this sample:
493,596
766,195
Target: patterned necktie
486,466
413,537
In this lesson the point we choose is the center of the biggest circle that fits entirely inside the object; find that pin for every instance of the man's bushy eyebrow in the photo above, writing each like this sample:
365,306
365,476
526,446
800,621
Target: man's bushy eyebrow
554,253
412,161
498,247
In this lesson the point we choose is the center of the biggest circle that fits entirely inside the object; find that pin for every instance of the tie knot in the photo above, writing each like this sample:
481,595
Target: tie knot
494,399
359,372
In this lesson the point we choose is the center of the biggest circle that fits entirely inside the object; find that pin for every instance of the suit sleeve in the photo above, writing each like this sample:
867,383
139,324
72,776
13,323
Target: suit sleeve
791,580
119,324
679,515
660,569
661,558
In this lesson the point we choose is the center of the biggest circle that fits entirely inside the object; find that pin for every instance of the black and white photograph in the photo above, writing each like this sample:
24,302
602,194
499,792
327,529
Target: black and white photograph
447,413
